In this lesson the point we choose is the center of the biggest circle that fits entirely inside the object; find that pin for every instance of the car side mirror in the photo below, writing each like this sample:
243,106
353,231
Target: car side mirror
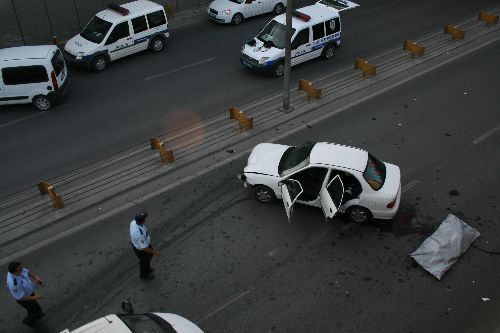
127,307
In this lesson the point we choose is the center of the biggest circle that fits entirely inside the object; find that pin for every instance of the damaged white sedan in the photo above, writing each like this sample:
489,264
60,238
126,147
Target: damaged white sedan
334,177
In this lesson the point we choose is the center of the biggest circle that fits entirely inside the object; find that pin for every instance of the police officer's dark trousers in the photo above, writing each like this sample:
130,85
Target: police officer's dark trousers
34,311
144,261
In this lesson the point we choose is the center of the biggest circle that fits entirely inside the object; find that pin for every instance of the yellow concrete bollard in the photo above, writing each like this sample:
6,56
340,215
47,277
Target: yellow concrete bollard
166,156
55,40
45,188
415,49
490,19
363,65
455,32
310,90
246,123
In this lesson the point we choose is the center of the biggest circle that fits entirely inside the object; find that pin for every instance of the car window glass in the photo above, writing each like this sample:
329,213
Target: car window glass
120,31
24,75
57,62
139,24
336,191
295,158
140,323
352,186
318,31
374,173
274,34
301,38
332,26
96,30
156,19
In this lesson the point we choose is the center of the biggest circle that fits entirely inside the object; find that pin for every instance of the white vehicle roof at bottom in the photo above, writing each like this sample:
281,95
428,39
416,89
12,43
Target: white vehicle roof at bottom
158,322
26,52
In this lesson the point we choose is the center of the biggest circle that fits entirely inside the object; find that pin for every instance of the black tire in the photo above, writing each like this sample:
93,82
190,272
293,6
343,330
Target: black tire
42,103
237,19
358,214
264,194
328,52
278,9
157,44
99,63
279,69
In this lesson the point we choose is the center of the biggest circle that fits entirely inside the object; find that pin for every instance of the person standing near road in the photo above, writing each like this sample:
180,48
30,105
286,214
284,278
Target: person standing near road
21,288
141,243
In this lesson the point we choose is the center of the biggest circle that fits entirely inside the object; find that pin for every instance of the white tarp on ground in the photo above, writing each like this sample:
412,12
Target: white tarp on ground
443,248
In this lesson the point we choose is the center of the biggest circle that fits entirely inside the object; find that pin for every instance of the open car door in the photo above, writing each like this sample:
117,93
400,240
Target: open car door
339,5
331,196
290,191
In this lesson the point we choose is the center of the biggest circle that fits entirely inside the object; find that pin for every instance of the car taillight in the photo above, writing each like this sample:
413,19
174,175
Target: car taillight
392,203
54,80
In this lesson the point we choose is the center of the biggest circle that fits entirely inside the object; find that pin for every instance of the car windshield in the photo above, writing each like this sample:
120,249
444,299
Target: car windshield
374,173
274,34
146,323
295,158
96,30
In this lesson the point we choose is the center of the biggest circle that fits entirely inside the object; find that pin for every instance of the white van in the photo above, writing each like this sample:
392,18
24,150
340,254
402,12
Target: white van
32,74
315,32
234,11
117,32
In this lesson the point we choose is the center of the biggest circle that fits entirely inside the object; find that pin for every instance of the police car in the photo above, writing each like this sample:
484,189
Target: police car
331,176
315,32
234,11
117,32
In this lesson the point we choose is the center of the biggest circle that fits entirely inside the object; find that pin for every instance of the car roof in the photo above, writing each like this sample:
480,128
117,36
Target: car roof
135,8
339,155
25,52
318,13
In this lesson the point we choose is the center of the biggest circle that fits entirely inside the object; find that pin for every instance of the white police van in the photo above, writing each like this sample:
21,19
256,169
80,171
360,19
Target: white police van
315,32
117,32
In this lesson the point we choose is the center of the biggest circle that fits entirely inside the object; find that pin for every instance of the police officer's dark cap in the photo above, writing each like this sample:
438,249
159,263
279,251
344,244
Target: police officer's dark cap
13,266
141,217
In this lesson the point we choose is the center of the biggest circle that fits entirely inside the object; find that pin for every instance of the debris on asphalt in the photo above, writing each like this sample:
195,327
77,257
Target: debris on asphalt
443,248
485,299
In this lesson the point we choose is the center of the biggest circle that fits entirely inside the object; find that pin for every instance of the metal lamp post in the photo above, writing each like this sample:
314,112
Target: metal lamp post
288,57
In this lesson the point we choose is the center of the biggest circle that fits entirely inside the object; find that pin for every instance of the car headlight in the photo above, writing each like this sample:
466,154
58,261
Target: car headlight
263,60
79,55
225,12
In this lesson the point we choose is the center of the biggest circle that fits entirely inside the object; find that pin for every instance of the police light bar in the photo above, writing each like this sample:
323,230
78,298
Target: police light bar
118,9
301,16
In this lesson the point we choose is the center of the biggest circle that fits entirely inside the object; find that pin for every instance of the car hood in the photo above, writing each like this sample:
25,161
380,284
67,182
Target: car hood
392,181
258,50
179,323
219,5
265,159
79,44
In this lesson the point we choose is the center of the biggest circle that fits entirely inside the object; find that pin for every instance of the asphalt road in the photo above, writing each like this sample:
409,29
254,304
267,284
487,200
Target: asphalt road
234,265
200,74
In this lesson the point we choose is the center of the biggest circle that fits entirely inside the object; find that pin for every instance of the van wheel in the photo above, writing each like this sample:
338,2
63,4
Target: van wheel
99,63
264,194
328,52
42,103
279,69
237,19
157,44
278,9
358,214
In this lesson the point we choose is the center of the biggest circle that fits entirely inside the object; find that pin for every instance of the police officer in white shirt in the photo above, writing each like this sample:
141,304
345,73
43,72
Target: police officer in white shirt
21,288
141,243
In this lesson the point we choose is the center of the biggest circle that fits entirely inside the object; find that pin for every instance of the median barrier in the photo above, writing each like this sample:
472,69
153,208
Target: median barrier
368,69
455,32
415,49
490,19
166,156
310,90
246,123
45,188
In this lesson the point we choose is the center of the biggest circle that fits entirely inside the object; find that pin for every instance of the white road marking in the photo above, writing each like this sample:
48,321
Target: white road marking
410,185
21,119
231,301
179,69
487,134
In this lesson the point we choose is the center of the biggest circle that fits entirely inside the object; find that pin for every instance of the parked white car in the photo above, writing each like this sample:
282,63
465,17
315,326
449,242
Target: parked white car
235,11
327,175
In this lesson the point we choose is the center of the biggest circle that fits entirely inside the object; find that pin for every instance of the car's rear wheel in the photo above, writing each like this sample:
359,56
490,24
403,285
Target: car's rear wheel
279,69
328,52
264,194
278,9
42,103
358,214
157,44
237,19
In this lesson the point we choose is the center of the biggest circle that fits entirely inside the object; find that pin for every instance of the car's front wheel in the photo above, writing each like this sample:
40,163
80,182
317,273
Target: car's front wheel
278,9
358,214
237,19
99,63
264,194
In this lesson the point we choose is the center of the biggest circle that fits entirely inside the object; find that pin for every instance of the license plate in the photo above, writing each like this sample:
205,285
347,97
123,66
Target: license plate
247,64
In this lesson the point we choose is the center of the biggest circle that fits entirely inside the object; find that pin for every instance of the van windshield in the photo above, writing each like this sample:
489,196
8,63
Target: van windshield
274,34
96,30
